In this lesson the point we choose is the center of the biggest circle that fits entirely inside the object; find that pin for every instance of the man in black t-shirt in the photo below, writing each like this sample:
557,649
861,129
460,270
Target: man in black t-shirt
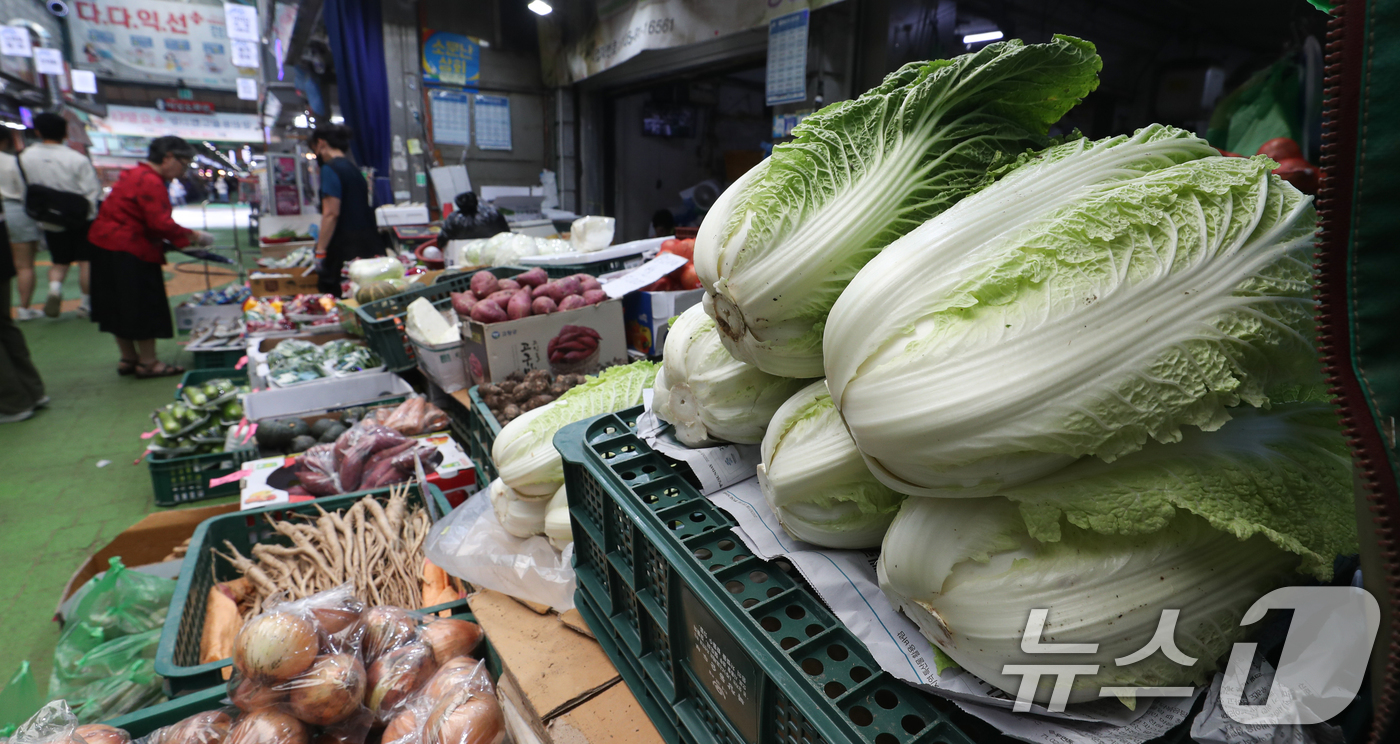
348,230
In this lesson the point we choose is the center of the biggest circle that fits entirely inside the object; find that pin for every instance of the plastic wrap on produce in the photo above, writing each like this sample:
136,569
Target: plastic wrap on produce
471,544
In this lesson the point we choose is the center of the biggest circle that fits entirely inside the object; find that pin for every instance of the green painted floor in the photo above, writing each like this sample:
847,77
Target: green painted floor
58,501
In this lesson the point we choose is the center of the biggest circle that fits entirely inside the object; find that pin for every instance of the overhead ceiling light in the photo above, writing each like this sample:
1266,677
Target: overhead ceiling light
14,125
984,36
540,7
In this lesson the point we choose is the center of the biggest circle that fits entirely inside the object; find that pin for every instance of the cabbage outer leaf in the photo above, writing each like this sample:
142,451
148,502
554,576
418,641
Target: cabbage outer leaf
1108,590
1141,306
1284,474
710,396
781,243
815,480
524,449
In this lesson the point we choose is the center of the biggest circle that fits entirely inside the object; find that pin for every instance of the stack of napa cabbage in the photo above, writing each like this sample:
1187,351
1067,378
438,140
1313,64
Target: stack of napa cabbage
1080,378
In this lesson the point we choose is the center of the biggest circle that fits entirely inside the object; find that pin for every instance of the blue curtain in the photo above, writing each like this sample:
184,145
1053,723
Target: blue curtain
356,28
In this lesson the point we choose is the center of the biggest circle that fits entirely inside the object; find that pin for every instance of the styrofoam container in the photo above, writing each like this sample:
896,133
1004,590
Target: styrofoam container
444,364
330,394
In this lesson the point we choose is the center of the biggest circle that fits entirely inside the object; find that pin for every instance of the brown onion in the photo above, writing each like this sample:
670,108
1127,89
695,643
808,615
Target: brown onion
404,724
100,733
249,694
329,692
268,726
387,628
465,718
450,638
396,675
449,676
208,727
335,619
275,645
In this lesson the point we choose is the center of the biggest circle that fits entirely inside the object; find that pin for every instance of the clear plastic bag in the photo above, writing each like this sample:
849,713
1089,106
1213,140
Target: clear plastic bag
299,661
470,544
457,706
53,724
206,727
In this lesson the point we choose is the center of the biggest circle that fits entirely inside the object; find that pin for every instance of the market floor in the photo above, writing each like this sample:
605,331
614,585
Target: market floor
68,484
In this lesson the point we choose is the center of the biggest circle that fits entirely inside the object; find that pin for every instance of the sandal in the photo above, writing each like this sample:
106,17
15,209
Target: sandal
126,367
159,369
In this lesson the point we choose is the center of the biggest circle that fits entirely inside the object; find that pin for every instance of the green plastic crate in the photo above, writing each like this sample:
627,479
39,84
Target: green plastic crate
180,480
143,722
382,320
459,420
218,359
177,656
682,608
197,376
483,429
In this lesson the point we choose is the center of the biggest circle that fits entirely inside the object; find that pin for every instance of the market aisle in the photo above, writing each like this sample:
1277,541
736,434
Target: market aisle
56,505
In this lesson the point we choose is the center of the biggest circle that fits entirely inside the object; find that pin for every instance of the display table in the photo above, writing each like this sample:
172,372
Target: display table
557,678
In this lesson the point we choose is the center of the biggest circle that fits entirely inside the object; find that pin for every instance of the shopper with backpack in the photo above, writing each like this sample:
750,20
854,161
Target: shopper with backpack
61,192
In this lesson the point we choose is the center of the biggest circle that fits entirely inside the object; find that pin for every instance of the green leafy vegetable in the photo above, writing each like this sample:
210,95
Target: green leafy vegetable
814,479
709,395
524,450
1136,308
781,243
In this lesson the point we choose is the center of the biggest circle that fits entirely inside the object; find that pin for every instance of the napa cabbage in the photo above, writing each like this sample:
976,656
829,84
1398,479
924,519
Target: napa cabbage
708,395
781,243
967,357
814,479
1206,526
524,453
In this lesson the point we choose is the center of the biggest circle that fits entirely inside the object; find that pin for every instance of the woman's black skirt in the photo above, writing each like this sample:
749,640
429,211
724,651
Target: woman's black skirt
128,296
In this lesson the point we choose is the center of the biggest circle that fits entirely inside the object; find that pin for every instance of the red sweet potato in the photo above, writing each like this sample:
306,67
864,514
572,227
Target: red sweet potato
483,284
569,285
519,305
532,278
510,284
543,306
462,303
594,296
488,312
572,302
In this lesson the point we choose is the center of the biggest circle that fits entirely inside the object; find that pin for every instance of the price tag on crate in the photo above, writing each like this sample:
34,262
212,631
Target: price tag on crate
648,273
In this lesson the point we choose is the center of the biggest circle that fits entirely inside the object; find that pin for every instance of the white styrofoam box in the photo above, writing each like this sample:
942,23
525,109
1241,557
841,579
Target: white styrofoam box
330,394
401,214
444,364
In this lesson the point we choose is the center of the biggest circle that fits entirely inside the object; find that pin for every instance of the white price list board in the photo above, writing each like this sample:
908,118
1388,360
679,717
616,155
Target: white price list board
787,59
492,122
452,117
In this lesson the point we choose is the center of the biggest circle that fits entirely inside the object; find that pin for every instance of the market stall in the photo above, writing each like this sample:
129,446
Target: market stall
946,421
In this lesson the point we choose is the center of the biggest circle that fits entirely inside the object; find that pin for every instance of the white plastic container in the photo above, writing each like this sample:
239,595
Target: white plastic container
322,396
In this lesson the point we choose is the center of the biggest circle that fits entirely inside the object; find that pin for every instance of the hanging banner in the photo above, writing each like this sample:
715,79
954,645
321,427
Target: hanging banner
48,61
242,22
136,121
626,28
153,41
16,42
450,59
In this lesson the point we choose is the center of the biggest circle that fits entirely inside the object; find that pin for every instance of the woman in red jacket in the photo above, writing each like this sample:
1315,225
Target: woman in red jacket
132,227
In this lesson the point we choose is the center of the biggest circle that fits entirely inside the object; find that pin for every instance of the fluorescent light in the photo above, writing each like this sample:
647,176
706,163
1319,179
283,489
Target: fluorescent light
300,122
337,119
13,125
984,36
540,7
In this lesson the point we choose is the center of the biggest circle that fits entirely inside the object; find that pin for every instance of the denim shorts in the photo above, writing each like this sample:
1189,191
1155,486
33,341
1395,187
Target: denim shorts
21,227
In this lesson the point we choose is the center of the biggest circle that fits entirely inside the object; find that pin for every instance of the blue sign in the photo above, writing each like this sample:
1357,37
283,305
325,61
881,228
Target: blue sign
451,59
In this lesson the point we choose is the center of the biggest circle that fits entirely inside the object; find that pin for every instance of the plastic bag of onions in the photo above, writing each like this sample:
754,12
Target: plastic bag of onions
458,705
300,659
206,727
404,649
